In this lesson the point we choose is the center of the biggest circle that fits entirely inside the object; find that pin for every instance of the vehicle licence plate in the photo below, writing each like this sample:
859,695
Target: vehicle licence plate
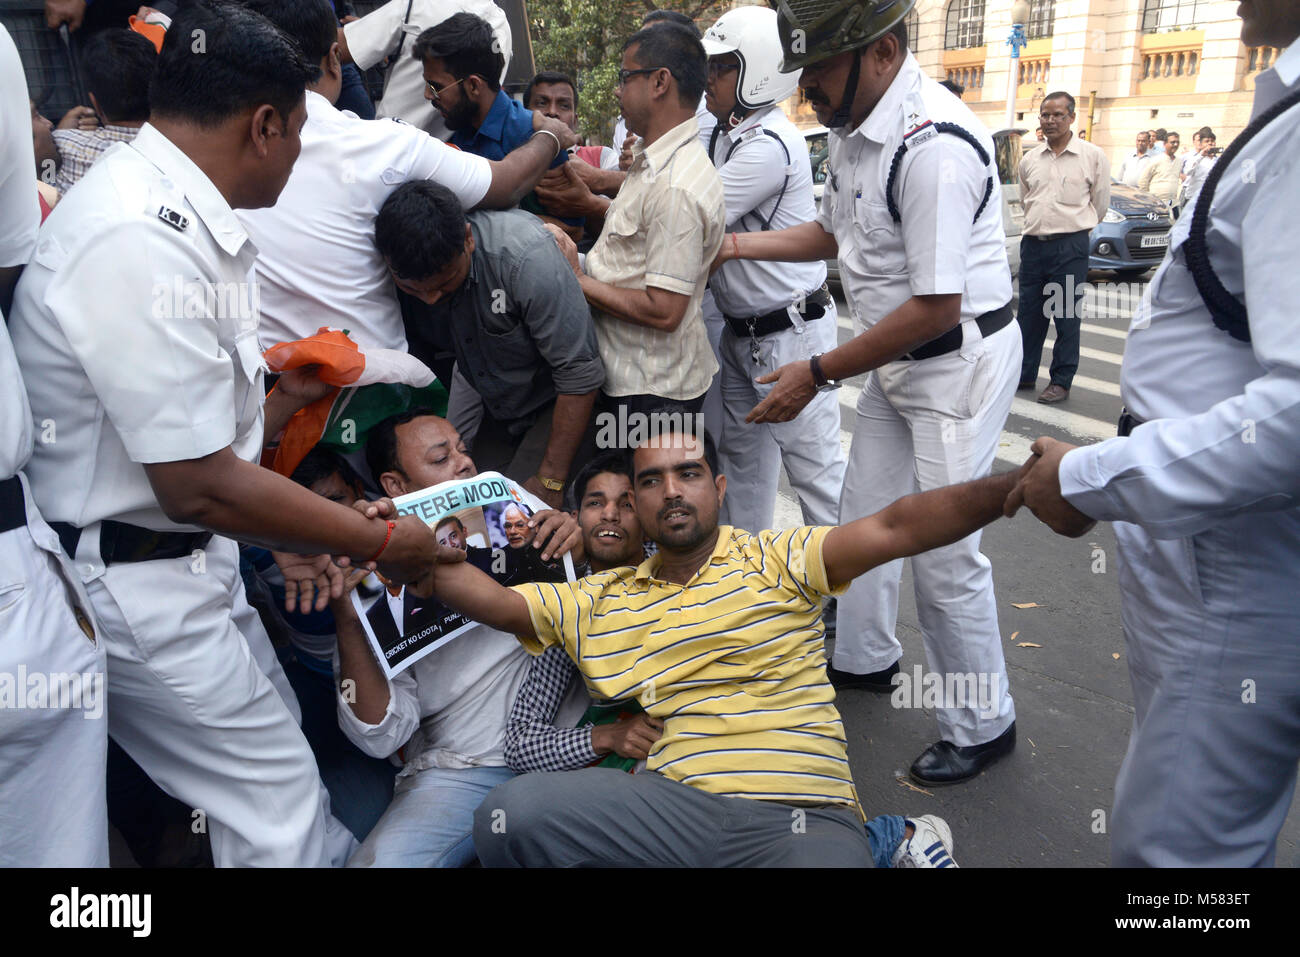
1158,239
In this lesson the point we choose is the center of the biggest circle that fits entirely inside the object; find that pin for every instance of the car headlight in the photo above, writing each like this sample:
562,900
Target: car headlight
1112,217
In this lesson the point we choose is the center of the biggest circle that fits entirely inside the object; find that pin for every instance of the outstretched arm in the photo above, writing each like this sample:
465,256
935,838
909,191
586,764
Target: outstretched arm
915,524
477,596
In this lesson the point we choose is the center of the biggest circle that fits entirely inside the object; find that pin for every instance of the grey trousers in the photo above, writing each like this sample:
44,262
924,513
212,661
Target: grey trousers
599,817
1211,628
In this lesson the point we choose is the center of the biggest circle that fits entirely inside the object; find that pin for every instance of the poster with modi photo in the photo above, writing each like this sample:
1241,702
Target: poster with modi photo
486,517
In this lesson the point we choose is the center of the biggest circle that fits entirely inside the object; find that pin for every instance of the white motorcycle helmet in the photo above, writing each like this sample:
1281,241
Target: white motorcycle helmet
751,34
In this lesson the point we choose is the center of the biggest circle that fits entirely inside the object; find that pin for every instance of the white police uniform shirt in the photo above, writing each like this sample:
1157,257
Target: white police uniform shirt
317,264
169,371
1180,368
935,249
751,181
376,36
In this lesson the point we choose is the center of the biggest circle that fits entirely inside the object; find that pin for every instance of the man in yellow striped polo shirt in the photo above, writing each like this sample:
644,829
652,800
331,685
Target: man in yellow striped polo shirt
719,635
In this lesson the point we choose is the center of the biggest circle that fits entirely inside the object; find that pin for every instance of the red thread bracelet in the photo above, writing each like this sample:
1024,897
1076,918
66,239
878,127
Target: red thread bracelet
735,246
387,539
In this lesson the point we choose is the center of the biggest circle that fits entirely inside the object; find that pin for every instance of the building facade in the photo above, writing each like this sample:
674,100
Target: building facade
1130,64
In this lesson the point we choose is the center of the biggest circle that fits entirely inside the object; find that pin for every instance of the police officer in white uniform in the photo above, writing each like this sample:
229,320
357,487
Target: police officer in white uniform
1204,489
136,329
911,208
775,313
53,723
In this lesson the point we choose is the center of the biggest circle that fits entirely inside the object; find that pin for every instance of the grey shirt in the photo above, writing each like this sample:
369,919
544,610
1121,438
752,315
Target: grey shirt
520,326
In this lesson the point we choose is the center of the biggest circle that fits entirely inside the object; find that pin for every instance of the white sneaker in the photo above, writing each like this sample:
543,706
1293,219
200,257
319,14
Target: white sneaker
929,846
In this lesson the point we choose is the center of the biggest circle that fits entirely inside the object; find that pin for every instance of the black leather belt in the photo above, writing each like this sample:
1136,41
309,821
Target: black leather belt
1052,237
951,340
120,542
1127,423
13,510
815,306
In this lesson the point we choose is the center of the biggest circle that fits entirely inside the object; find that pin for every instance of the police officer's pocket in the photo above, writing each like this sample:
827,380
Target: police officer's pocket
880,238
248,354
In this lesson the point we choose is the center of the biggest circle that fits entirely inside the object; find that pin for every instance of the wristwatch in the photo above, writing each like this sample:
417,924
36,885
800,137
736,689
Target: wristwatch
819,378
555,485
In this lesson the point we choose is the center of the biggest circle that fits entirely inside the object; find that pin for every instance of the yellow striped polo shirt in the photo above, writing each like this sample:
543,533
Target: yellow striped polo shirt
733,662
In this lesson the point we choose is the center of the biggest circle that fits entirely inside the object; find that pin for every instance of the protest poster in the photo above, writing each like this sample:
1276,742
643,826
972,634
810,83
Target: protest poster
485,516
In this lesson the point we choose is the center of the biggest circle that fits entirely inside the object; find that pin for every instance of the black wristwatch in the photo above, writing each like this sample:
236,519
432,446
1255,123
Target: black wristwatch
819,378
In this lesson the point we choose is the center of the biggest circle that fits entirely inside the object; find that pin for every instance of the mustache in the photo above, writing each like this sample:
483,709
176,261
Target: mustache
676,506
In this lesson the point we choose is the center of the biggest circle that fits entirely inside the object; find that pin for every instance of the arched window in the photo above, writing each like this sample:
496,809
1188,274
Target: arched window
913,29
1042,19
1162,15
965,27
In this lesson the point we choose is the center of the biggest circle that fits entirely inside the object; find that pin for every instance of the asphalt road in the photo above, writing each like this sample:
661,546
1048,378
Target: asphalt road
1048,804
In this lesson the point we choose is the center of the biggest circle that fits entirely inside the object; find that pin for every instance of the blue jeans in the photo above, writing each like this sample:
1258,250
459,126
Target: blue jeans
431,820
884,834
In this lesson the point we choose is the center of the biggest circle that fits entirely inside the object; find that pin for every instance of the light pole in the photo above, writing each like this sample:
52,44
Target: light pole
1019,14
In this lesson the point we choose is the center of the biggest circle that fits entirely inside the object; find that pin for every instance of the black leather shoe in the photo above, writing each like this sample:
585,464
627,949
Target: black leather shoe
877,681
945,763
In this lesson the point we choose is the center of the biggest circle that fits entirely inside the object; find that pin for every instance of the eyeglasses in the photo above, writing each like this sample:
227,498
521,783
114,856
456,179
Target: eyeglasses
625,75
717,69
437,93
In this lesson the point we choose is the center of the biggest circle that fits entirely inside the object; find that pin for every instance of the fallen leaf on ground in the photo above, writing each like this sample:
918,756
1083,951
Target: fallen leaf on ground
1031,742
1115,656
1028,644
1024,604
1013,636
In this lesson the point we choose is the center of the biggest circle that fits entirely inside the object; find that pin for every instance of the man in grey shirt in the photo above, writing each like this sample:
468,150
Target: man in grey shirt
495,284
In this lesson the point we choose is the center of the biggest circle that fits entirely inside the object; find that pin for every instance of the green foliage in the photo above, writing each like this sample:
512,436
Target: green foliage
584,38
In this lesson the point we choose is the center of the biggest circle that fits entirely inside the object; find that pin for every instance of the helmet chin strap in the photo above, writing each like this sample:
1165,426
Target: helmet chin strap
737,115
840,118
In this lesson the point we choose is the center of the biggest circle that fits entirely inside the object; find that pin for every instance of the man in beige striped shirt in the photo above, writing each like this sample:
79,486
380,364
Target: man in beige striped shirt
646,274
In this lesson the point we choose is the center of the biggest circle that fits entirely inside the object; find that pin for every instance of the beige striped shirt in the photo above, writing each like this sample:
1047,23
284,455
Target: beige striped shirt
662,230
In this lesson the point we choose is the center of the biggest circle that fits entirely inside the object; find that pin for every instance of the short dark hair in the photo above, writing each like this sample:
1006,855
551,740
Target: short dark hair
1205,131
420,229
309,23
547,77
117,66
615,462
672,46
670,16
674,419
381,442
1169,133
220,60
956,89
1162,134
466,44
447,521
319,464
1061,95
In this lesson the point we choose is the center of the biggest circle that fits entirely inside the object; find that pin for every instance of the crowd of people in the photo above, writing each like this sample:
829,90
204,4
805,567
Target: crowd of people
214,247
